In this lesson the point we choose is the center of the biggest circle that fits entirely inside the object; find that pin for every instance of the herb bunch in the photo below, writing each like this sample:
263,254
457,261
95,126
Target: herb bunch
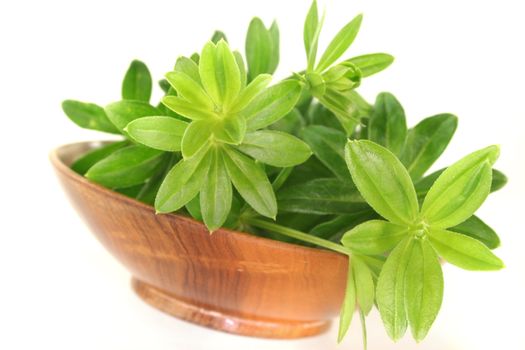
306,160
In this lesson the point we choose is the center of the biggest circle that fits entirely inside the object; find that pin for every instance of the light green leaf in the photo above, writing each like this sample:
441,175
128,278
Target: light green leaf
196,137
312,29
163,133
460,189
137,82
255,87
390,292
189,67
261,53
426,142
383,181
275,148
272,104
86,161
124,112
365,288
349,304
463,251
231,129
88,116
387,125
340,43
216,193
187,109
251,182
374,237
274,57
474,227
126,167
321,196
219,73
242,68
328,146
183,182
372,63
423,288
190,90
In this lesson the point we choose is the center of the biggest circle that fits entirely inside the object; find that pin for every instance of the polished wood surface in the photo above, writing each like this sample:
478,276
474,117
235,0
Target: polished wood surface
231,281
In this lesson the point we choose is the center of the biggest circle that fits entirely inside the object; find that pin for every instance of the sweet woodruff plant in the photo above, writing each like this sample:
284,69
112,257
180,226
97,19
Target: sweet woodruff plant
305,160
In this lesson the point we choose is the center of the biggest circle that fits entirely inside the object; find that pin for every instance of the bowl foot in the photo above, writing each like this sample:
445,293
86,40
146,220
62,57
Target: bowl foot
219,320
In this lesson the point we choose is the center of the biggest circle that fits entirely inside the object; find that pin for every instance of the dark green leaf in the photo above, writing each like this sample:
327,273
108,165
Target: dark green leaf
474,227
426,142
137,82
126,167
217,36
334,229
86,161
292,123
149,190
498,180
262,54
387,125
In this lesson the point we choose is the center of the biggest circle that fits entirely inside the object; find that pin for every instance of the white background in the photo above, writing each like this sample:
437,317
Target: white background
59,289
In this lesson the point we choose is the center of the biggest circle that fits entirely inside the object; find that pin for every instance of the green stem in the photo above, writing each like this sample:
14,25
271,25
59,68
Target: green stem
297,235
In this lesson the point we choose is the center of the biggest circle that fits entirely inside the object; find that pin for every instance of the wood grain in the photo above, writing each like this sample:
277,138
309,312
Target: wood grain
231,281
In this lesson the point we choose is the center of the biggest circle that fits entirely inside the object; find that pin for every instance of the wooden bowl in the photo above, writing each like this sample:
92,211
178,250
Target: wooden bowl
230,281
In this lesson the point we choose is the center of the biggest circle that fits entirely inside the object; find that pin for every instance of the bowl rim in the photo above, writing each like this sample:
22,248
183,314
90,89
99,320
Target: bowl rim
65,170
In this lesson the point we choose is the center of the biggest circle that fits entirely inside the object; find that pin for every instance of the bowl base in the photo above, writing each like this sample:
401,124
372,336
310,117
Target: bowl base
219,320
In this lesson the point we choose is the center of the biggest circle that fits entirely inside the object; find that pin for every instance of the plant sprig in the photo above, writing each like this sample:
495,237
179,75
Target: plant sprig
329,168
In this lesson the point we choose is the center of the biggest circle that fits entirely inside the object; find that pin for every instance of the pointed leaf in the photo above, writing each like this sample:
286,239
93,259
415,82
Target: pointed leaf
365,288
218,36
272,104
86,161
137,82
383,181
274,57
259,49
187,109
372,63
349,304
196,137
255,87
423,288
474,227
124,112
340,43
251,182
311,33
242,68
374,237
231,130
88,116
387,125
460,189
275,148
190,90
426,142
163,133
463,251
126,167
216,193
189,67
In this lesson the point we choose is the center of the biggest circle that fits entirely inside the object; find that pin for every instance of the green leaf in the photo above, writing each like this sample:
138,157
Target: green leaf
137,82
328,146
216,193
196,137
311,33
275,148
187,109
321,196
253,89
460,189
374,237
251,182
190,90
189,67
149,190
272,104
463,251
423,288
123,112
163,133
242,68
372,63
334,229
86,161
292,123
231,129
383,181
164,85
218,36
219,73
390,290
340,43
88,116
426,142
183,182
474,227
262,54
126,167
498,180
343,107
349,304
387,125
365,288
